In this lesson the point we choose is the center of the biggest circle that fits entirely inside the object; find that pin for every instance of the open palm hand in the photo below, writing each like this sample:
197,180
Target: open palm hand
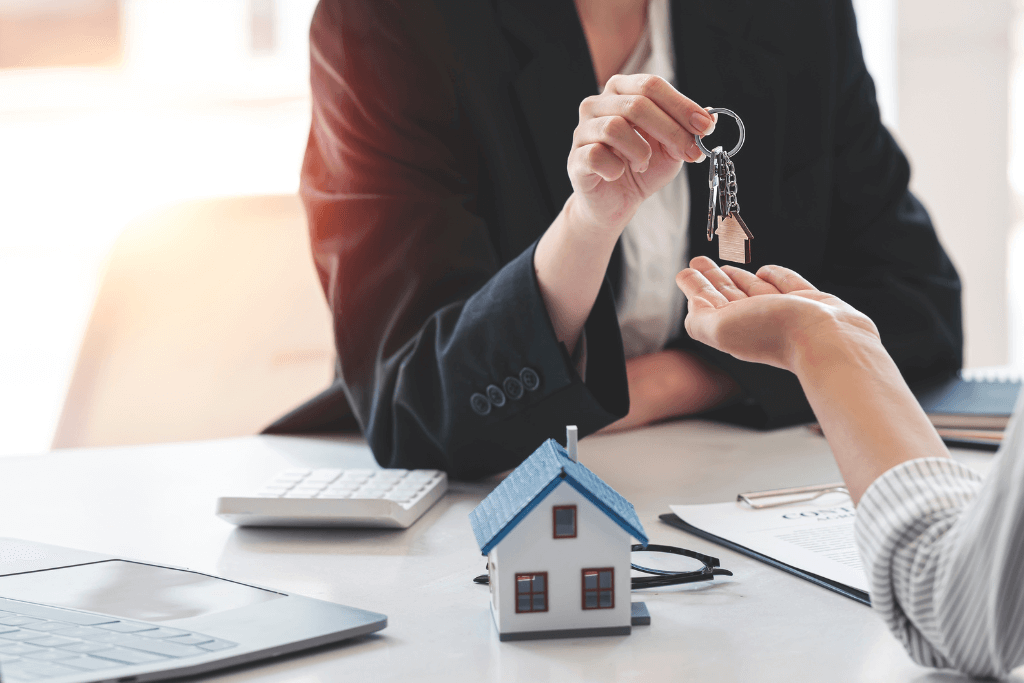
766,318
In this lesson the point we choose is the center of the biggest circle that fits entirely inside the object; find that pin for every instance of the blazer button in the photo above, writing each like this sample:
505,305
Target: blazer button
530,378
481,406
495,395
513,387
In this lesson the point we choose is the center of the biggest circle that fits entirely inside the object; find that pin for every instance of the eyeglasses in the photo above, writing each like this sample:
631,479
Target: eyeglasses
709,569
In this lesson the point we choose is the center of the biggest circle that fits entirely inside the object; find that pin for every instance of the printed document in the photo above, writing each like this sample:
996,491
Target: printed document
812,536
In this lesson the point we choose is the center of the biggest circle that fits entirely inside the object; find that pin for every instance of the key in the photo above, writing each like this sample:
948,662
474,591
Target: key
733,234
712,191
723,207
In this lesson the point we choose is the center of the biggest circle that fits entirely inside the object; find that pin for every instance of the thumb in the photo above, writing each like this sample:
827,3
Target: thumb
700,317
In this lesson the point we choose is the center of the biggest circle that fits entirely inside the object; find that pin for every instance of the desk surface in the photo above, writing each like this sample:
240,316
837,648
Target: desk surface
156,503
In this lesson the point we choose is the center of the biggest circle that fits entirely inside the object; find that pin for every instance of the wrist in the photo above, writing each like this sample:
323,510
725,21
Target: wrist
585,227
831,345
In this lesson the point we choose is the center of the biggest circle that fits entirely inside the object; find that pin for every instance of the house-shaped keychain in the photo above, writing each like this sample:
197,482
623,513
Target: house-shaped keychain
733,239
557,542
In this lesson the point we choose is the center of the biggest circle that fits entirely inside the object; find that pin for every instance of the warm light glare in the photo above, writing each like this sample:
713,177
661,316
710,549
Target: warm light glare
194,109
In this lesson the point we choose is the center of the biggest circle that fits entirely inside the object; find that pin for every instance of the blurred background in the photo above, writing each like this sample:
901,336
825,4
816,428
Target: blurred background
151,244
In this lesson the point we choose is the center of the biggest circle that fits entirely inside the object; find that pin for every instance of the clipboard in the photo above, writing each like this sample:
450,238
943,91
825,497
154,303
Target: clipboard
805,493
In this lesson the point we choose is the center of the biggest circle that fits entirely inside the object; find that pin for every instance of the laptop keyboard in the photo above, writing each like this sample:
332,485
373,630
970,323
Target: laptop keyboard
39,642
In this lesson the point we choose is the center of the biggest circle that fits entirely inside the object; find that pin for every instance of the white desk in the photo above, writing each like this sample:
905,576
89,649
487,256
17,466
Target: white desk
156,503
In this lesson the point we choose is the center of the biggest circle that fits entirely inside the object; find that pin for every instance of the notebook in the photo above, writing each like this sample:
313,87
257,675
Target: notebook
970,403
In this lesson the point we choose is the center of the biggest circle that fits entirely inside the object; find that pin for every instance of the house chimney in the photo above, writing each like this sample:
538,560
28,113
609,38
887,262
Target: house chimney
570,442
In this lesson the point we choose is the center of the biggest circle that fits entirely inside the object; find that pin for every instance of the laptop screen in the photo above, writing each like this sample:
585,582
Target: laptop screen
131,590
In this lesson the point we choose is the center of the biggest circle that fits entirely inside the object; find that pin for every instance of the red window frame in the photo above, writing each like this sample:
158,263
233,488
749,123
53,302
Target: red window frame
596,592
554,521
532,576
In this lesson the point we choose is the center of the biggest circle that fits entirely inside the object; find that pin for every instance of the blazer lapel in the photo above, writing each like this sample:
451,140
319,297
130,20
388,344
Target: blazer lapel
556,75
717,68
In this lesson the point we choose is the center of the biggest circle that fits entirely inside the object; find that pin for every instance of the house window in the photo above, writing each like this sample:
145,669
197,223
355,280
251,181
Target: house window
532,592
565,521
599,588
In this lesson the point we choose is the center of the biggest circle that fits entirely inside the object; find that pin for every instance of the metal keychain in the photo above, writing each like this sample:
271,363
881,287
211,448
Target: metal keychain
723,205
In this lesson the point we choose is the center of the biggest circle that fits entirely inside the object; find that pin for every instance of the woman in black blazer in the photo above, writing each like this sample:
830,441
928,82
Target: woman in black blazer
465,184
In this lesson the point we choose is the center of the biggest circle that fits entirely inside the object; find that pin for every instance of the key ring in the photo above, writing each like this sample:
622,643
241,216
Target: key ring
739,122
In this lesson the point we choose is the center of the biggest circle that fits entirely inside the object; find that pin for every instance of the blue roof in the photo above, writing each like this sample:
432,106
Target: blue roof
532,481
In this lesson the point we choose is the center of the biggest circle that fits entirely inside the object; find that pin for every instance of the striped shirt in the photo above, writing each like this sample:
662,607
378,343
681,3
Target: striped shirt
944,553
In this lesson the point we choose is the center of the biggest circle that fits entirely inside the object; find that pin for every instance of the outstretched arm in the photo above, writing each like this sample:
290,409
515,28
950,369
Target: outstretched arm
941,548
776,317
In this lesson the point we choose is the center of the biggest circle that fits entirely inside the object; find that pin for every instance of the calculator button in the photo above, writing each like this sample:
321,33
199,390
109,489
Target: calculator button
19,635
167,648
47,626
126,627
28,670
163,633
51,641
334,495
51,655
324,475
19,649
21,621
89,663
120,654
216,644
83,648
192,639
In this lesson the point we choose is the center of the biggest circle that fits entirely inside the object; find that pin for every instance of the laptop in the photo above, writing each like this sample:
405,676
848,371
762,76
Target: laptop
71,616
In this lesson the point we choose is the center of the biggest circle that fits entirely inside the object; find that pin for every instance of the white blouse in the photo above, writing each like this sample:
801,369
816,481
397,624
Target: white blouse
650,306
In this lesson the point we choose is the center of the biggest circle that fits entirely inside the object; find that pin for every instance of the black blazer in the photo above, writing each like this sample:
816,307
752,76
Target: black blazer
436,159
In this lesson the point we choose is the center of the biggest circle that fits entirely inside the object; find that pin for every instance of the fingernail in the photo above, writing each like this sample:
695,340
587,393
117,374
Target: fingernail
703,156
702,122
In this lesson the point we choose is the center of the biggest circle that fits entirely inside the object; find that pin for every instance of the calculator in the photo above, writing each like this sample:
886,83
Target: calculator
338,498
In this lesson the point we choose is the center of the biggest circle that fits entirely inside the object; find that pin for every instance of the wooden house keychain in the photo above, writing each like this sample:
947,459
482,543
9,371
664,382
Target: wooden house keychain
723,206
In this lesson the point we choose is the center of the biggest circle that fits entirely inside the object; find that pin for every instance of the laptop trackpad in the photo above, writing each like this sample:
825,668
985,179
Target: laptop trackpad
132,590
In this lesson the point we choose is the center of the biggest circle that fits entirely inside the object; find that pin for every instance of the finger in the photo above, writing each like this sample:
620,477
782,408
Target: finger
598,161
695,286
617,133
685,111
751,284
643,113
784,279
718,278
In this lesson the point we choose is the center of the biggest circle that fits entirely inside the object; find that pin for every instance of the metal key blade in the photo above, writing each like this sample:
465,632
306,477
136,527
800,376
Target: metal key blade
712,195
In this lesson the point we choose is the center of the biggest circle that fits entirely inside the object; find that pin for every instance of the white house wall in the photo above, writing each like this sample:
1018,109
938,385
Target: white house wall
530,547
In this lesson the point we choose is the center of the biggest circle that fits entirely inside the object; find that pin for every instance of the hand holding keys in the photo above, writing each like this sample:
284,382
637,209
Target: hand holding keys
733,235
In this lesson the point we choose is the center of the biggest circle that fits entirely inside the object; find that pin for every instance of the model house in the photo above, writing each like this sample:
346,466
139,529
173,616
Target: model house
557,540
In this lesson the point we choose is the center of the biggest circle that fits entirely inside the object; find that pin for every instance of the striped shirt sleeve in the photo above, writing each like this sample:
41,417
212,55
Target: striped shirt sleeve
944,552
